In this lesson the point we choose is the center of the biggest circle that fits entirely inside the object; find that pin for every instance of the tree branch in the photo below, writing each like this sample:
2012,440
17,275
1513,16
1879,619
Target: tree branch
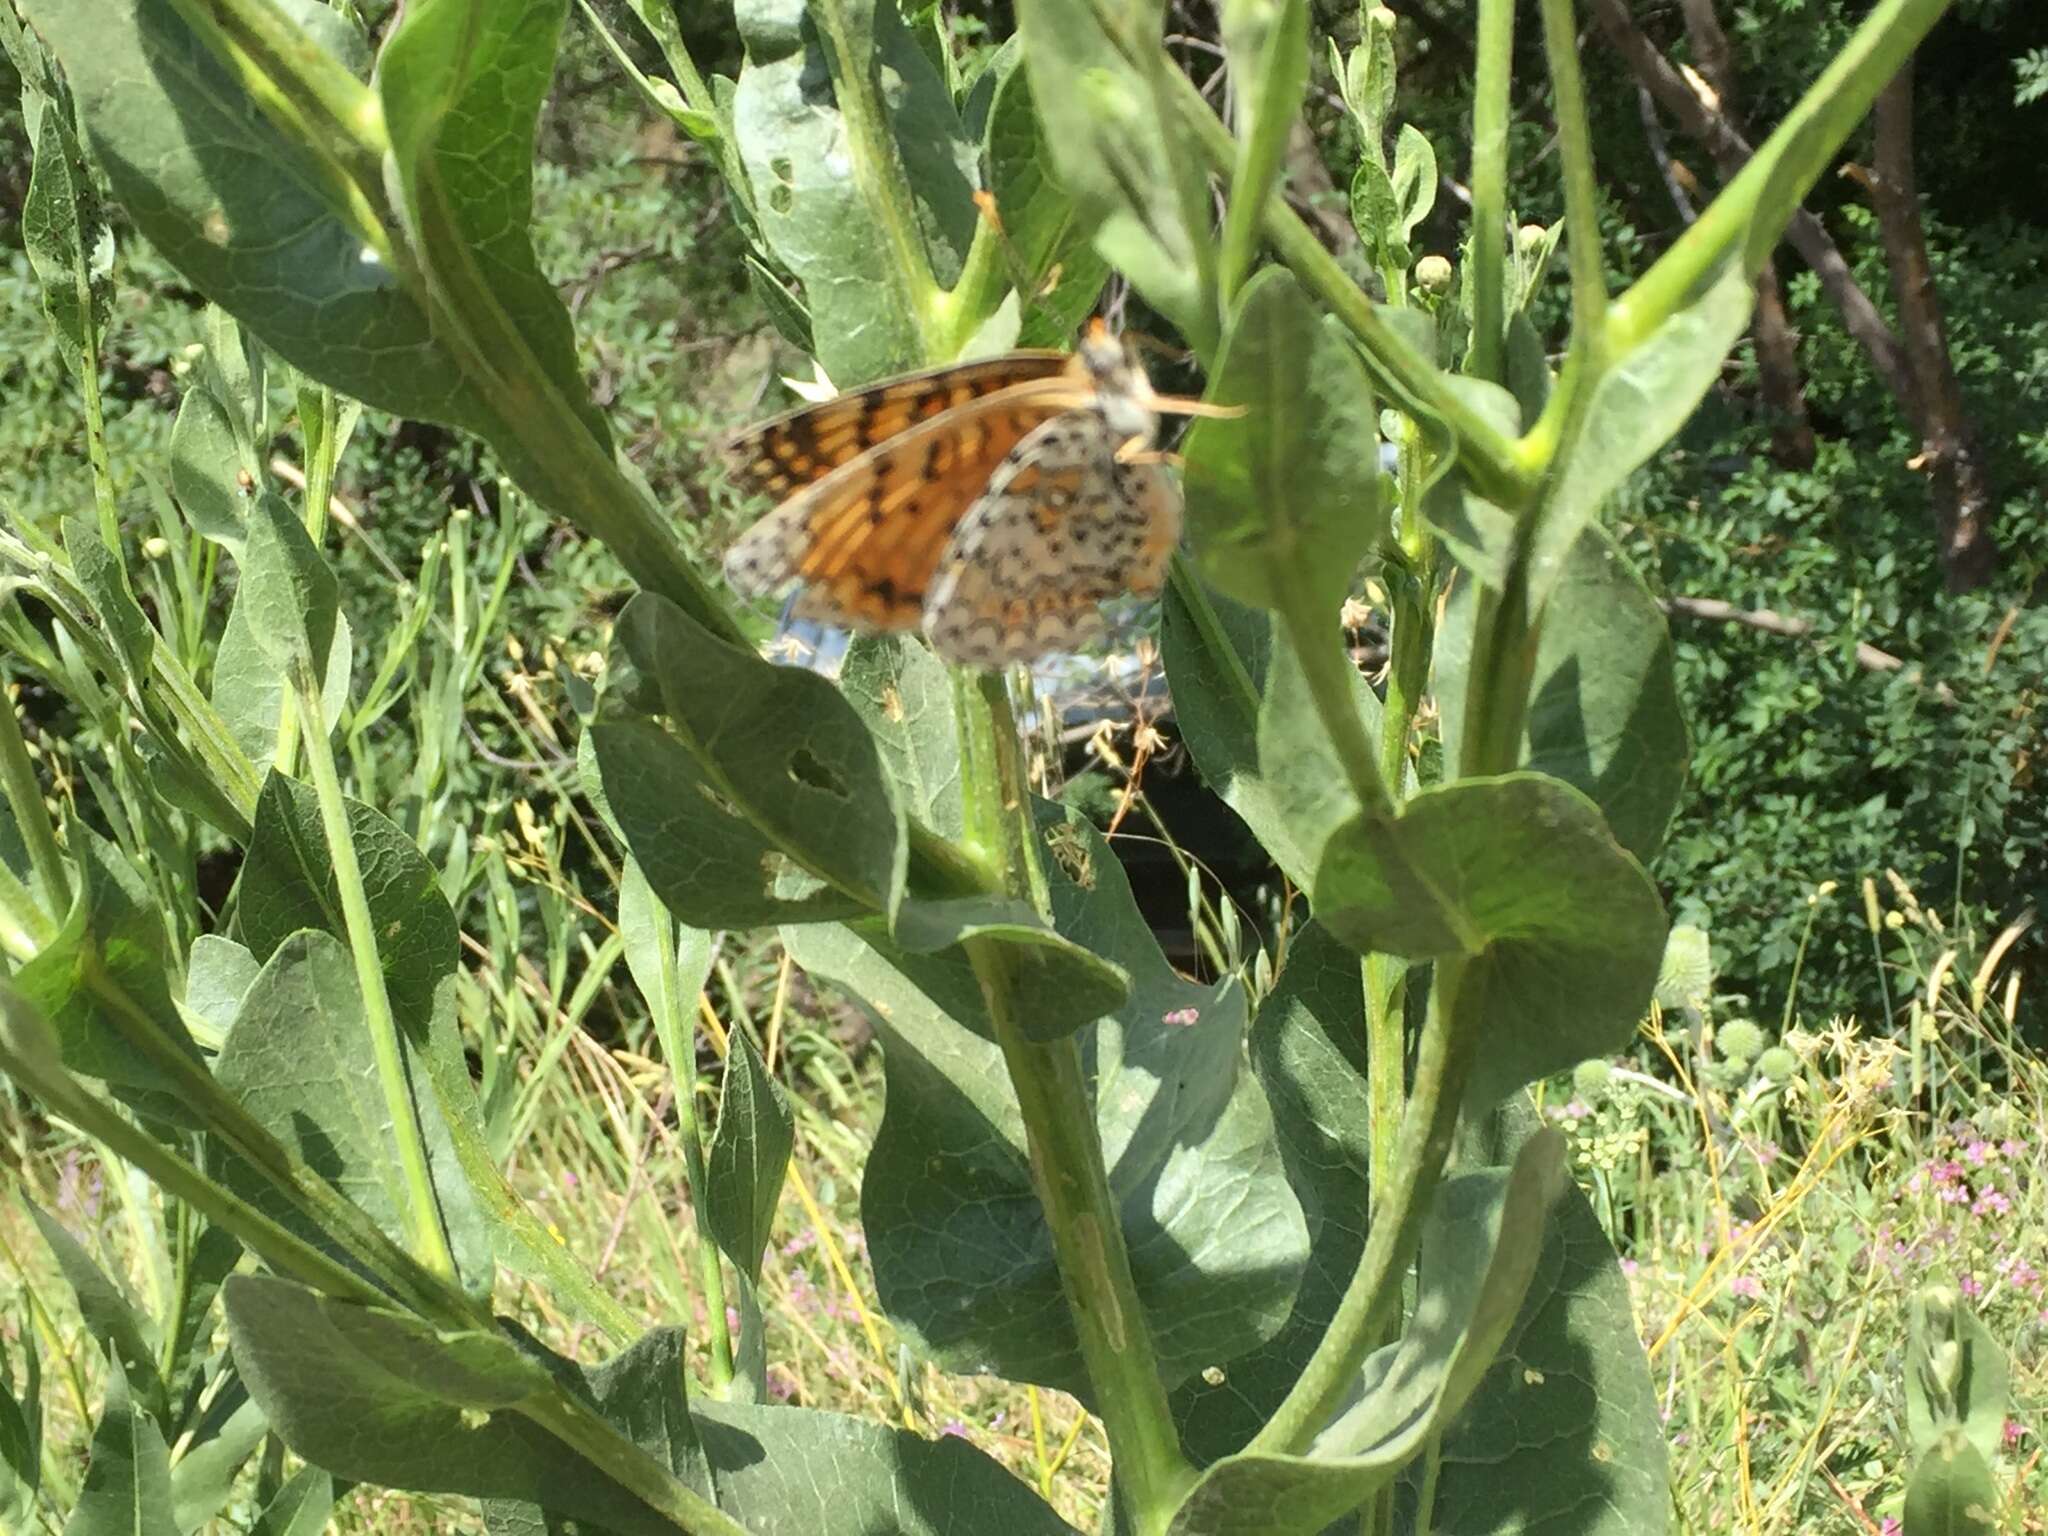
1770,622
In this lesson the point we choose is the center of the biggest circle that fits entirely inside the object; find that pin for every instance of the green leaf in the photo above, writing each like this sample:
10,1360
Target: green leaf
1481,1246
208,459
1951,1492
1308,1049
1245,713
105,974
1636,408
708,864
868,212
642,1393
301,1508
964,1262
903,695
1414,178
1956,1375
1368,79
209,1460
1604,714
776,744
127,1335
289,595
786,312
1042,231
249,687
1519,872
461,86
103,580
224,195
747,1160
1376,214
127,1488
1283,501
1117,146
796,1470
288,884
1564,1436
218,974
67,238
300,1060
902,692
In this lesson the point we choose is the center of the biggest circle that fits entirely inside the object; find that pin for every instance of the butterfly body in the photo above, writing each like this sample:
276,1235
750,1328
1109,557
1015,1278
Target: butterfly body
992,504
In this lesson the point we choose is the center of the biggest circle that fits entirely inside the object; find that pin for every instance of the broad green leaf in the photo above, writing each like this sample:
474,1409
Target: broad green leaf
222,193
301,1507
1951,1491
747,1160
778,745
868,211
67,238
127,1488
1637,407
640,1392
1117,146
203,1481
794,1471
288,884
668,964
208,460
1245,714
1956,1375
708,865
123,1330
1308,1049
1603,709
1055,269
901,691
1482,1244
1283,501
105,974
249,687
218,974
300,1060
461,85
1563,929
287,593
964,1262
785,310
1564,1436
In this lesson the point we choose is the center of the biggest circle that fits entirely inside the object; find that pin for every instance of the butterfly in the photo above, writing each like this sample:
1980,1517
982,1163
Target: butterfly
992,504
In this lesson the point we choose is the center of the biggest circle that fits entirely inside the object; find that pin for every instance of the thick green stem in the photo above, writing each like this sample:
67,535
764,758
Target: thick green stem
1491,111
581,1429
1371,1302
1056,1105
424,1232
1581,184
1327,668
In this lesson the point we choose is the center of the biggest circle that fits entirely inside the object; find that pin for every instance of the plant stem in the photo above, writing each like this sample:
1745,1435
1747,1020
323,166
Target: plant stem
1372,1299
1581,185
424,1233
1490,115
1330,676
877,170
1056,1105
1416,386
581,1429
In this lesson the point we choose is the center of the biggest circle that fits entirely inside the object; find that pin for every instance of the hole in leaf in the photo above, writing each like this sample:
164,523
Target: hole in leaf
783,170
806,769
779,199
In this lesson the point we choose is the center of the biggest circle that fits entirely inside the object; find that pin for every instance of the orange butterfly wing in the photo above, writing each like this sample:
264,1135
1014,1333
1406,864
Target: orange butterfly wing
864,538
781,455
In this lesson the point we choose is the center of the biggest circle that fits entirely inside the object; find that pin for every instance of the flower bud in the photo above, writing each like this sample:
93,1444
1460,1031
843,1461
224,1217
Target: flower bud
1433,274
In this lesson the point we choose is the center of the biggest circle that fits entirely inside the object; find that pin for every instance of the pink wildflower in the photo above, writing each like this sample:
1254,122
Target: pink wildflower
1746,1286
1979,1151
1970,1286
1181,1016
1991,1202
